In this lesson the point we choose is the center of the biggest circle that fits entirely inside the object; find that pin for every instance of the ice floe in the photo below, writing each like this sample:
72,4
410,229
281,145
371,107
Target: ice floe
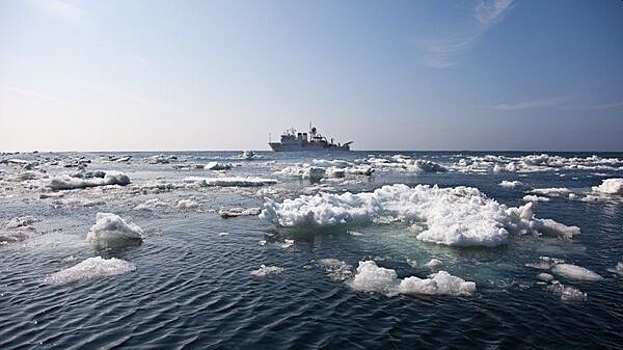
18,229
461,216
567,272
110,230
337,269
68,182
151,204
90,268
265,271
567,293
186,204
235,212
510,184
576,273
552,192
371,278
534,198
404,163
230,181
217,166
610,187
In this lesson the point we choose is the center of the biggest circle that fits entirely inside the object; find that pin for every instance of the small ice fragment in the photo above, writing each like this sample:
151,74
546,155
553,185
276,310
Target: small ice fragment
566,293
287,243
434,263
235,212
265,271
510,184
546,277
186,204
217,166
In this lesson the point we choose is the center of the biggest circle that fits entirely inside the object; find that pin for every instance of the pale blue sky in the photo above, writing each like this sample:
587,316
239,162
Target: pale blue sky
410,75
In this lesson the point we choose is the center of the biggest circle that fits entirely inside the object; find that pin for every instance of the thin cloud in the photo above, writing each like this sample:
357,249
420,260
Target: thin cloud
443,53
608,106
548,102
66,10
35,94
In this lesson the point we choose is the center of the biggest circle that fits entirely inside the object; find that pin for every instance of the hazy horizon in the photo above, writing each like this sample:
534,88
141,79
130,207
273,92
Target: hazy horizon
493,75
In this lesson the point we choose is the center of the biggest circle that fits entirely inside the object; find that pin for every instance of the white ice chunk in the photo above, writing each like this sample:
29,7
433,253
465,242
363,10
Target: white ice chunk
574,272
186,204
434,263
510,184
90,268
230,181
610,186
265,271
535,198
217,166
66,182
21,221
372,278
151,204
110,230
546,277
460,216
438,283
235,212
567,293
552,192
287,243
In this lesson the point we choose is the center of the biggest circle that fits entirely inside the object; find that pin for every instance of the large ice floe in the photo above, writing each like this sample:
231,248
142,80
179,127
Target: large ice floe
229,181
69,182
459,216
17,229
112,231
90,268
372,278
610,187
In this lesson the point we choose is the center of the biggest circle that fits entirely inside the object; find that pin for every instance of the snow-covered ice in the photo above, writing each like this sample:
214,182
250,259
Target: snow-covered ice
372,278
461,216
230,181
265,271
90,268
577,273
110,230
610,186
67,182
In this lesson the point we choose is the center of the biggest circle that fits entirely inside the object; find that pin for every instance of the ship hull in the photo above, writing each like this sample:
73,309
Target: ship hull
298,147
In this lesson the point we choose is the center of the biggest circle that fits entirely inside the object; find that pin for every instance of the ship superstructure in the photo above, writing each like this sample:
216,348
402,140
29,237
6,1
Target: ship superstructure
291,140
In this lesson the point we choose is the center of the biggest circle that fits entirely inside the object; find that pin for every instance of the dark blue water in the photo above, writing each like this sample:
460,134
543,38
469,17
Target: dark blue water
192,286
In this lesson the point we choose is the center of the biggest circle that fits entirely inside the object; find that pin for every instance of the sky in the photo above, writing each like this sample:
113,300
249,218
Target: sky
389,75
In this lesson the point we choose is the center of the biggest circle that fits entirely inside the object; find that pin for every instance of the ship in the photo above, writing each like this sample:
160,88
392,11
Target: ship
292,141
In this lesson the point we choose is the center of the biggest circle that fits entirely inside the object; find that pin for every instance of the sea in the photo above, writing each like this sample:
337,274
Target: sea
349,250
